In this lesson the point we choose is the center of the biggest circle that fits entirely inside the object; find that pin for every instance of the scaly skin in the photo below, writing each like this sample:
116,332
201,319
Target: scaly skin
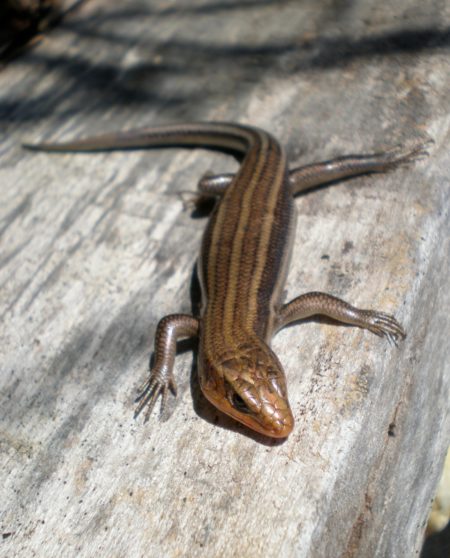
243,265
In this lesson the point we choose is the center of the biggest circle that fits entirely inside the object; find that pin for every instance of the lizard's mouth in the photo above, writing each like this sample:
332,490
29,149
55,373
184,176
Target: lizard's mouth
279,427
273,419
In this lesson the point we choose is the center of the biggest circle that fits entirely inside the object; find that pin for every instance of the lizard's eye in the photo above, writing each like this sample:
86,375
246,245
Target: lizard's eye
239,404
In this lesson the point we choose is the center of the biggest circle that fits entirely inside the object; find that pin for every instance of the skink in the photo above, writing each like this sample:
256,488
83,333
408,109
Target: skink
243,264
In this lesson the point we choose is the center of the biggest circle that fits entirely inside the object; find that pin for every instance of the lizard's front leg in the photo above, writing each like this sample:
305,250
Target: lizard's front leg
161,380
315,303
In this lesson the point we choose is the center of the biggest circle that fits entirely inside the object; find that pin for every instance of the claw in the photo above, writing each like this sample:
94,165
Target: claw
391,338
398,156
153,387
385,325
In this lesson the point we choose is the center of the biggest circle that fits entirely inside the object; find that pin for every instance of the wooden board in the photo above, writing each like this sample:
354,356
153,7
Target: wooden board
96,248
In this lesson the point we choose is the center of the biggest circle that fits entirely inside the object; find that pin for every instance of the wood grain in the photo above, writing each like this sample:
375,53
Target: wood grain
96,248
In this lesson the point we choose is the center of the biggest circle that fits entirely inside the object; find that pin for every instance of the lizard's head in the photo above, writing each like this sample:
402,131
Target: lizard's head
250,387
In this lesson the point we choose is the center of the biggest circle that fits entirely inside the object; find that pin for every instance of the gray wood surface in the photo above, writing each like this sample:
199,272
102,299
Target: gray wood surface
96,248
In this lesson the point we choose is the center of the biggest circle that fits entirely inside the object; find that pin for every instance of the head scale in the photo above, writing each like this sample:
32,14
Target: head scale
250,386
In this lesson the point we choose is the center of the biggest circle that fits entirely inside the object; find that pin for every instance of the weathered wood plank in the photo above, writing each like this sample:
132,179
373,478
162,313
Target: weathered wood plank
96,248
